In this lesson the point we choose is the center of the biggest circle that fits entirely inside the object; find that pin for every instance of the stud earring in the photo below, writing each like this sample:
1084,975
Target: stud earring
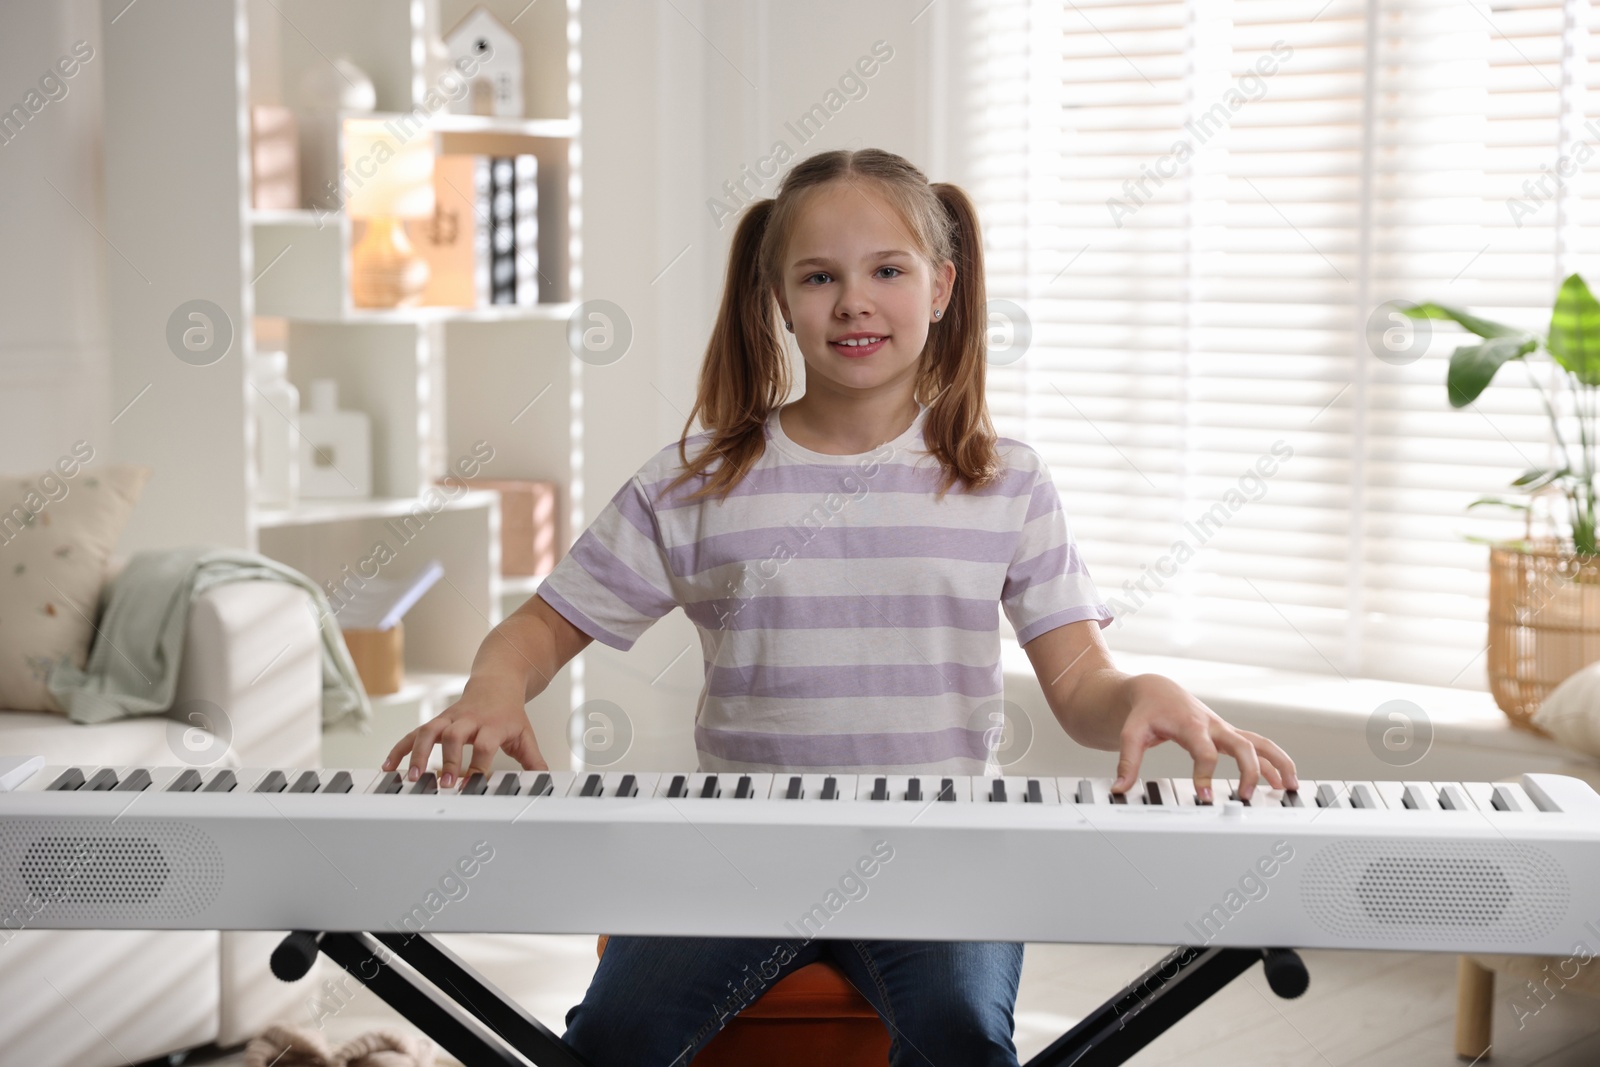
787,325
936,314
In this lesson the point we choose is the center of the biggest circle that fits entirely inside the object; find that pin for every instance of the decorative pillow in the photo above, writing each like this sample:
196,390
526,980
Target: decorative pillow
57,530
1571,711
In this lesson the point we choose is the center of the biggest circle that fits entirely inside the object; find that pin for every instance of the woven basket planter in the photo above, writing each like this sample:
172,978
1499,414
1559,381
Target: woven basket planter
1544,622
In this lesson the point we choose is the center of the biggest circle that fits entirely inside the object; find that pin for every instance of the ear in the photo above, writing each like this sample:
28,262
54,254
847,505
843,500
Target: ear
944,283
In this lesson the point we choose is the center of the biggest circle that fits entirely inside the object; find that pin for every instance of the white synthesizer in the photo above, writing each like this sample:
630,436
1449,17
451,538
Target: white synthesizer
1511,867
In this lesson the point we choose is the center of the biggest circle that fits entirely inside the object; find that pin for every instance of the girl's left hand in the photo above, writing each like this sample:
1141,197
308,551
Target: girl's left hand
1162,710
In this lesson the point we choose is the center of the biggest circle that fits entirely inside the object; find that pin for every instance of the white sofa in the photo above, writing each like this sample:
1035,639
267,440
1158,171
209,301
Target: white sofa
82,998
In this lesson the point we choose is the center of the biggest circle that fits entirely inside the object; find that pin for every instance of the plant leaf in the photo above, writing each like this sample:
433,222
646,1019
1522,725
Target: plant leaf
1472,367
1575,330
1497,502
1481,327
1536,479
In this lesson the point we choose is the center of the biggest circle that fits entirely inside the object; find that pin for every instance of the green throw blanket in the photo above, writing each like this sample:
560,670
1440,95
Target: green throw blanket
133,664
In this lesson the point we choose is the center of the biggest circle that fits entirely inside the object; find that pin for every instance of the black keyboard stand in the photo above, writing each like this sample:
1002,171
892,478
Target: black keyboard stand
465,1014
480,1025
1165,993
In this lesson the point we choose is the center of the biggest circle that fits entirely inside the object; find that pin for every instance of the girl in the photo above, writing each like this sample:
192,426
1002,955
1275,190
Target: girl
845,597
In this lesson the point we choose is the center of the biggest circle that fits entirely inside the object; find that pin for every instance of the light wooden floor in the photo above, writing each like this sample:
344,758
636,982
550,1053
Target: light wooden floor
1375,1009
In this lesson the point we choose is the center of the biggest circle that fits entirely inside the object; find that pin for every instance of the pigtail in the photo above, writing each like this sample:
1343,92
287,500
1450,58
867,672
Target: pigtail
958,430
745,373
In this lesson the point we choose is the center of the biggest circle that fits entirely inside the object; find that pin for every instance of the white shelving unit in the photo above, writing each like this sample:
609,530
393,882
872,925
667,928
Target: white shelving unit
440,385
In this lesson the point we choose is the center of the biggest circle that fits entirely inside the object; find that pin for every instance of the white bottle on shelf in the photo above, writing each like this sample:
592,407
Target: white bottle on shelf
275,407
335,446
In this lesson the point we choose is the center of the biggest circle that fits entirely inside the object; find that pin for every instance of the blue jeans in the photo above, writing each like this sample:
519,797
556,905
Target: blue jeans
657,1001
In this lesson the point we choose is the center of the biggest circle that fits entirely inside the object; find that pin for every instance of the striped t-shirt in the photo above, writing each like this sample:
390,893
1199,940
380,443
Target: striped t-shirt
848,620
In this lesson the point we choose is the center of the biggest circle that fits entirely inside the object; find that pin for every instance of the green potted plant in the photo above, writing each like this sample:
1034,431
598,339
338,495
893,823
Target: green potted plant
1544,596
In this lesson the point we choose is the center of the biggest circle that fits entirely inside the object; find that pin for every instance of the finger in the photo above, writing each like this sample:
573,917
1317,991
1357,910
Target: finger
393,758
525,750
1243,752
1133,746
484,747
1276,765
1204,752
422,747
455,736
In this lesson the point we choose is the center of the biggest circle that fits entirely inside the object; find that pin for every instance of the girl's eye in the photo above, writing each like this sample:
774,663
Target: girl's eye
897,270
823,274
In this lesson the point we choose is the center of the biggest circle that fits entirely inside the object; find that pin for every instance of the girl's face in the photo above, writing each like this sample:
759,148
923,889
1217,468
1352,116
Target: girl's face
852,271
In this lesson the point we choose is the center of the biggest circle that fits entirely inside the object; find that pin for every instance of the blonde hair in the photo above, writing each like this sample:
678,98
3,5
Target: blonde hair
745,374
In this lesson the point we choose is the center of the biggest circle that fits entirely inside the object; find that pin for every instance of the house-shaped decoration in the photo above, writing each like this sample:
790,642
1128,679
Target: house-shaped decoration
495,55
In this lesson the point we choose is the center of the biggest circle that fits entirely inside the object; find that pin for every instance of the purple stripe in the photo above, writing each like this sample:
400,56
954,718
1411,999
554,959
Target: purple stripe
623,582
821,479
843,612
1049,564
629,500
579,619
1098,612
841,750
1045,499
957,544
855,680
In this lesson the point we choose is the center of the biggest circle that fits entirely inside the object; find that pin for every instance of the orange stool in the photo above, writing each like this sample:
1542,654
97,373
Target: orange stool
813,1015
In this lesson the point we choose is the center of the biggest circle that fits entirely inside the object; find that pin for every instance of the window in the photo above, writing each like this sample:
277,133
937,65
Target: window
1199,209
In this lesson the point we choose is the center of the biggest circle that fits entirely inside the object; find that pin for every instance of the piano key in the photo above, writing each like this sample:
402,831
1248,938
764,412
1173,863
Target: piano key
914,789
475,785
947,790
1453,798
1134,794
428,782
793,792
186,782
341,782
510,785
69,780
709,789
306,783
1419,796
679,787
104,778
1229,787
1331,795
392,783
136,782
1152,792
1293,799
880,788
223,781
1034,795
1508,796
1365,795
1391,794
591,786
628,787
997,790
544,785
742,790
830,788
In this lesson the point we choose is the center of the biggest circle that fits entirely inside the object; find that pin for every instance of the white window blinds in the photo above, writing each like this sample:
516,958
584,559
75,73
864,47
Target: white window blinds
1198,206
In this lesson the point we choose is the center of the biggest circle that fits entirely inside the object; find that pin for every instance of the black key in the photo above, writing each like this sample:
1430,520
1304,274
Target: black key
105,778
709,790
222,782
794,788
628,787
391,783
276,781
679,786
509,786
1085,792
339,783
70,779
744,791
306,783
187,782
1119,798
428,783
1234,795
1360,797
997,791
880,789
542,786
1327,796
830,788
1503,800
475,785
137,782
947,789
592,786
1291,799
1033,796
1152,792
914,789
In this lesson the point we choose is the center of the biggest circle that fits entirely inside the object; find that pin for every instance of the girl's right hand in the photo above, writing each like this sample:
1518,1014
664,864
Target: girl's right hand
489,722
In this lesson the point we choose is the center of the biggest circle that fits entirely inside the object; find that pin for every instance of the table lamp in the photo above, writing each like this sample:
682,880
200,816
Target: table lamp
388,181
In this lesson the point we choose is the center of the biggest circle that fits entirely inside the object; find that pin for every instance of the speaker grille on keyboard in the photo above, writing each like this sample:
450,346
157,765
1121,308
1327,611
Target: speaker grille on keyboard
78,870
1419,890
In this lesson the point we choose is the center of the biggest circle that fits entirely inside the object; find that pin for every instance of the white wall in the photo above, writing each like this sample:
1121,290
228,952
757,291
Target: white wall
53,372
